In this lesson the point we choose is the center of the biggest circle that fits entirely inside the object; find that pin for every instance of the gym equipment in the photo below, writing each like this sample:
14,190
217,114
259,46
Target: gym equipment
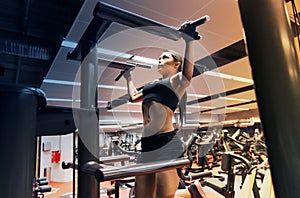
267,189
18,108
53,120
114,14
40,186
228,165
123,72
119,173
185,180
189,32
196,144
249,183
102,160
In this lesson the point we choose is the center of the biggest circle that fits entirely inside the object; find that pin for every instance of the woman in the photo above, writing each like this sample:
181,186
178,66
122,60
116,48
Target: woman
159,141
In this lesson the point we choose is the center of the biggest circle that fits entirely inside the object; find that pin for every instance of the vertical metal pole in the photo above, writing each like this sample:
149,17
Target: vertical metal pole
74,162
276,76
117,189
88,137
38,156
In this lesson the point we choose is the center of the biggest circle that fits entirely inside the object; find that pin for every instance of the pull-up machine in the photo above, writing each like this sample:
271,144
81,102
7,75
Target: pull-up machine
86,52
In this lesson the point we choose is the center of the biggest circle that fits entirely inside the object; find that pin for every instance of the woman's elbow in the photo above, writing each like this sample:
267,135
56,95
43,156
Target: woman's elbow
135,98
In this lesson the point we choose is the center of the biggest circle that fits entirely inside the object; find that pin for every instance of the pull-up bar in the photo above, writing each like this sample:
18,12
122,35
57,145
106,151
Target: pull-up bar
104,14
124,17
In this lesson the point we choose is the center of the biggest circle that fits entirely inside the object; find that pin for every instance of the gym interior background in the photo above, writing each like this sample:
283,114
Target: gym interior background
42,51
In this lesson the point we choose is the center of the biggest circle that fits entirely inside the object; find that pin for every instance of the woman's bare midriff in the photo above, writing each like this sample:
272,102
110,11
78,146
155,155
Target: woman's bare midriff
157,119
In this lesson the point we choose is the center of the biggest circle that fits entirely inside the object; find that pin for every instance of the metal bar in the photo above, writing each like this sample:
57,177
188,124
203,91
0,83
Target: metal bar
200,21
194,176
275,67
115,173
73,170
141,169
124,17
88,136
122,65
94,31
114,159
117,190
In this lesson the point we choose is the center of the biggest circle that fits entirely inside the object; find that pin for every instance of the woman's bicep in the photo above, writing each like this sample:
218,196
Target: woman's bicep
179,83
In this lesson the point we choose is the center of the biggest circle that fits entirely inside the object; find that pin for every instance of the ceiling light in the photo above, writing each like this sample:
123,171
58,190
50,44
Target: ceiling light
114,53
70,100
196,95
132,127
123,111
109,122
236,108
229,77
188,112
134,103
59,100
109,126
235,99
150,61
62,82
103,101
200,107
112,87
69,44
117,54
194,107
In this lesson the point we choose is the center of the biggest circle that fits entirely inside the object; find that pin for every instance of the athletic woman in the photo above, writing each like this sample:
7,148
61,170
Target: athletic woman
159,101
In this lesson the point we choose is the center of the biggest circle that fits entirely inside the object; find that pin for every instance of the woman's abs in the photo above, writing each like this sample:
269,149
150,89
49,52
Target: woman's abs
157,119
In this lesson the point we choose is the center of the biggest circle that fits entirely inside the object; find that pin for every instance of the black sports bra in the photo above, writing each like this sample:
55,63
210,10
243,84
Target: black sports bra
162,92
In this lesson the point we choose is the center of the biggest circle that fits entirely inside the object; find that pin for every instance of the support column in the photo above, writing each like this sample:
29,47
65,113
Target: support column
88,138
275,70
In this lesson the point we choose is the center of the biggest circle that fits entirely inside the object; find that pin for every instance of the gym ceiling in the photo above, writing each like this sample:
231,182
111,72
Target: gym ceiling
37,36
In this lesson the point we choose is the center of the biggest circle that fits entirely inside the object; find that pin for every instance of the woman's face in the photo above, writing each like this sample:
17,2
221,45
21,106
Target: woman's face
167,64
